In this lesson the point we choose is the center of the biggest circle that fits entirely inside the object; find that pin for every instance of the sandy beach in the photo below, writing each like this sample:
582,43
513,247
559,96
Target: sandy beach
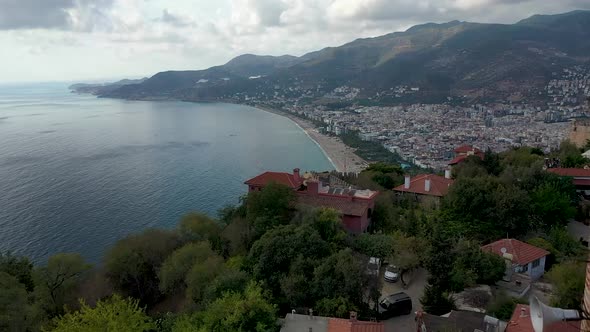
340,155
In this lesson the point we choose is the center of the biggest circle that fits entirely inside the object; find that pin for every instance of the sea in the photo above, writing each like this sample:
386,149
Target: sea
78,173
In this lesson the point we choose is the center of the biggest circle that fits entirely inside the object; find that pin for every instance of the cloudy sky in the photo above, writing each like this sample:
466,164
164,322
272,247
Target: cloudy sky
61,40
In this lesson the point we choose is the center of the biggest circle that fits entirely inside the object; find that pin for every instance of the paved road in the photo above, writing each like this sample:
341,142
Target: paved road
415,290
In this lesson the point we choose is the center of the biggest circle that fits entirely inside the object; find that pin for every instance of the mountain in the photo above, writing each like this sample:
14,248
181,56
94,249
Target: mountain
101,88
472,61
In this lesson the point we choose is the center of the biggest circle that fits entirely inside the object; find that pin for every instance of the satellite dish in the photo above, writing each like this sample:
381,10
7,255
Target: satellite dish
503,250
543,315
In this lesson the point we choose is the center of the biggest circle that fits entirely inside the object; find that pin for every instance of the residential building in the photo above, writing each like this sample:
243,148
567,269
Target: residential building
526,259
426,187
460,321
464,151
303,323
580,177
313,190
521,322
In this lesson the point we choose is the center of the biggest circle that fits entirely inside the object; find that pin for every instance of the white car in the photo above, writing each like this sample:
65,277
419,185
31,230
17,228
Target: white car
373,266
391,273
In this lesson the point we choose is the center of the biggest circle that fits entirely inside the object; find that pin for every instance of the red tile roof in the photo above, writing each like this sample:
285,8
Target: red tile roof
581,182
521,322
467,148
355,207
522,253
439,185
347,325
277,177
573,172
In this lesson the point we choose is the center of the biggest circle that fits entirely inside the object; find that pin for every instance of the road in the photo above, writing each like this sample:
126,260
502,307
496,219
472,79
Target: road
415,290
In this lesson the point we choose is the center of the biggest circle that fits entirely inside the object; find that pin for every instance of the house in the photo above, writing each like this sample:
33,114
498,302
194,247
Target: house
521,322
525,258
458,321
464,151
580,178
303,323
426,187
313,190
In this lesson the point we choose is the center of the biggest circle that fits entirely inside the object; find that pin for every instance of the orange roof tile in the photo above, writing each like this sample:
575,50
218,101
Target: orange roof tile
522,253
439,185
265,178
347,325
467,148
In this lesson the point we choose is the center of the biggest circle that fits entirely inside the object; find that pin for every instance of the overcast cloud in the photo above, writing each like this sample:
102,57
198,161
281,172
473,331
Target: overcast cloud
97,39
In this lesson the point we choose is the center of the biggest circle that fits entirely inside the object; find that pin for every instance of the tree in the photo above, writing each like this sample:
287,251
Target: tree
57,282
568,279
551,207
374,245
176,267
195,227
114,314
272,255
240,312
133,263
491,162
19,267
328,223
408,253
231,280
201,276
335,307
343,274
13,304
435,301
270,207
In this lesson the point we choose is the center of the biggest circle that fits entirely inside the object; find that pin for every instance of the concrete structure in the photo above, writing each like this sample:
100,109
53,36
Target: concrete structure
580,132
580,178
464,321
356,206
526,259
305,323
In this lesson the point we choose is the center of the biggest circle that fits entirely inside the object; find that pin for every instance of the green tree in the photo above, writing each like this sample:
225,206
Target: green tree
339,307
374,245
270,207
272,255
231,280
551,207
435,301
240,312
568,279
195,227
491,162
13,304
176,267
133,263
408,253
19,267
114,314
328,223
58,281
201,276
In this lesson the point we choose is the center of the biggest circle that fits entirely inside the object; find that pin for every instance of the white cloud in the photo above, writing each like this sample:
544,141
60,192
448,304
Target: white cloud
77,39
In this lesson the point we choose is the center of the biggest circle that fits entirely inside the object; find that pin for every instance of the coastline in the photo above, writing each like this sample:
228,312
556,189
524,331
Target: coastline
342,157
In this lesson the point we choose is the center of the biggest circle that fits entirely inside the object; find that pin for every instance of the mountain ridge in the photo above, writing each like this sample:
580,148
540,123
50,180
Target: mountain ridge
474,61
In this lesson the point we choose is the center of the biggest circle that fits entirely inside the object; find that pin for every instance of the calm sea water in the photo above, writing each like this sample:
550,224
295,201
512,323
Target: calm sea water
77,172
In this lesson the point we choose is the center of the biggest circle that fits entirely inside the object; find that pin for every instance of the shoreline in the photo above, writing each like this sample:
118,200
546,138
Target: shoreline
340,155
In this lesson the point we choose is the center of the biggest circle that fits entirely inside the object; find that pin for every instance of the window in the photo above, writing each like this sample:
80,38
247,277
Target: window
524,268
536,263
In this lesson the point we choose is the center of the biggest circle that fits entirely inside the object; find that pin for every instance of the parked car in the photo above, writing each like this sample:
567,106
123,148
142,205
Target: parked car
373,266
395,305
391,273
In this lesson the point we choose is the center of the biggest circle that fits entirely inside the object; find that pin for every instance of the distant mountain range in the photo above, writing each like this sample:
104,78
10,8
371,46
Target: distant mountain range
100,88
473,61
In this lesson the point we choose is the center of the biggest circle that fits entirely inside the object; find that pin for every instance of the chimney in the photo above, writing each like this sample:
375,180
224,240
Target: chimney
407,182
353,316
427,185
313,187
447,173
296,175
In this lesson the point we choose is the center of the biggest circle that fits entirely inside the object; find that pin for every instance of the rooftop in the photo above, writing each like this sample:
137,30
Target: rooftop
522,253
305,323
573,172
439,185
265,178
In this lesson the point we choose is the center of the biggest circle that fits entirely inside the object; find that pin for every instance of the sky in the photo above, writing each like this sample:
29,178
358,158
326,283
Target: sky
87,40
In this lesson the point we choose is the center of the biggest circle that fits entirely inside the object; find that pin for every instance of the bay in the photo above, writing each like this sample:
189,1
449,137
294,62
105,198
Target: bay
78,172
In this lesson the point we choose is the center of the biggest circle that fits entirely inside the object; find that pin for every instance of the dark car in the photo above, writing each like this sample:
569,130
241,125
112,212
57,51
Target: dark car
395,305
